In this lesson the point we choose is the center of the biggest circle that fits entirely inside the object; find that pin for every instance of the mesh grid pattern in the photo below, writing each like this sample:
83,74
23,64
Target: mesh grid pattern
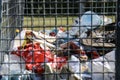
11,19
45,15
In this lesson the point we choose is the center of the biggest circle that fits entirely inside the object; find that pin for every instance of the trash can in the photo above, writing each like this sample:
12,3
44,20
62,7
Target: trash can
11,20
57,39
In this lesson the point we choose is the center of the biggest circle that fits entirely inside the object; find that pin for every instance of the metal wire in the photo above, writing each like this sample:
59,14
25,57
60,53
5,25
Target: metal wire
36,15
11,21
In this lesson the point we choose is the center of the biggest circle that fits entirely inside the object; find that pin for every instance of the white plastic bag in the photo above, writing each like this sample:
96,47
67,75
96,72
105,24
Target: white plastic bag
74,66
61,34
12,65
18,41
99,65
102,68
90,20
105,20
76,27
111,58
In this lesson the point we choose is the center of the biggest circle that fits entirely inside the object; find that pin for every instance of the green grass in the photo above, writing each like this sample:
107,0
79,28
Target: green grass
37,23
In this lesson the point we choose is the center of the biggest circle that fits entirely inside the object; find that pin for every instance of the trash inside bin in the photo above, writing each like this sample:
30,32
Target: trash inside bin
58,49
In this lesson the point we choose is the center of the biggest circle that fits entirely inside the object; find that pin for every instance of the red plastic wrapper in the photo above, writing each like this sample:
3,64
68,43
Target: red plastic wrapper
35,57
59,62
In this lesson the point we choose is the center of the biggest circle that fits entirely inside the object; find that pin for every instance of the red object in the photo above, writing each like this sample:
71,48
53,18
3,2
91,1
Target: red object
35,57
93,54
52,34
59,62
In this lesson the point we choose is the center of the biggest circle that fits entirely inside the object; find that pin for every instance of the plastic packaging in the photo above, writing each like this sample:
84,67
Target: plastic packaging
53,32
97,65
34,56
82,33
76,27
74,66
19,40
111,58
78,68
13,65
26,75
105,20
90,20
101,65
59,62
61,34
48,38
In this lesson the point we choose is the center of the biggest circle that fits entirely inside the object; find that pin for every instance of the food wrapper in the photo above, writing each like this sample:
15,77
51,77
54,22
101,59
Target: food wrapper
59,62
35,57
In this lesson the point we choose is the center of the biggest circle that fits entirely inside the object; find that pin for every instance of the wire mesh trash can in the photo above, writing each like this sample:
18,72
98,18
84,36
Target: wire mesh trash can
11,19
58,39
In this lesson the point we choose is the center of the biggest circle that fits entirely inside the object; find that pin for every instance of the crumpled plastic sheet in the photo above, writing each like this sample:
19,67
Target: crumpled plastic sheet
103,68
35,57
12,65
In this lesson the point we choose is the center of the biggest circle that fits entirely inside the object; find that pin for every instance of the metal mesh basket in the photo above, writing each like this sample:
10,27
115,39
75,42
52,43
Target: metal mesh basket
85,28
11,20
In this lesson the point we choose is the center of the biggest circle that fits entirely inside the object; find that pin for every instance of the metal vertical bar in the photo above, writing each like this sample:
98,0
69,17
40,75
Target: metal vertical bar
22,12
0,12
81,7
1,57
117,55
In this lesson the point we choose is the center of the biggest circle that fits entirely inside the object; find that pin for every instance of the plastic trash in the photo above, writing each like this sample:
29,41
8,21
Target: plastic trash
37,55
59,62
26,75
45,43
74,66
53,32
111,58
78,68
61,34
90,20
34,56
105,20
101,67
20,40
40,35
76,27
14,66
33,36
